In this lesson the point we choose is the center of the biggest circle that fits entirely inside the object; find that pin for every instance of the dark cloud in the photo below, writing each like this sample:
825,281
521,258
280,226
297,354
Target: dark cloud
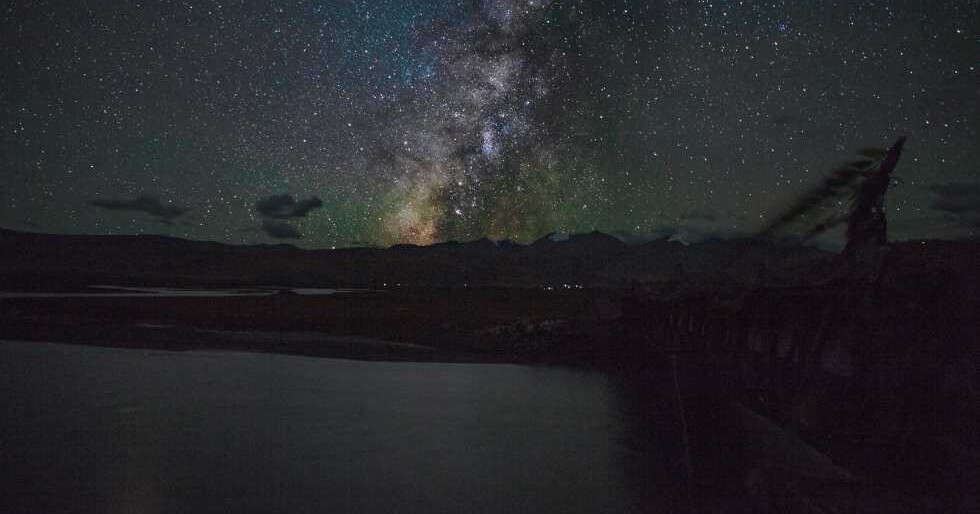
285,206
959,199
703,215
164,211
280,229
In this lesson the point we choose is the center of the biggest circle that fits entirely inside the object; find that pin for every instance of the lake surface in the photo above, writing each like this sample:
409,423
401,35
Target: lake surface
88,429
100,291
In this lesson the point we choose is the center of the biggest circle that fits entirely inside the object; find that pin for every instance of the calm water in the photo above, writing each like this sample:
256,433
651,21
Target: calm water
99,291
111,430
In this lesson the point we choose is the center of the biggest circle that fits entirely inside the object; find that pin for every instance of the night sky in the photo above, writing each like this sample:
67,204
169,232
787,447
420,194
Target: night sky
337,123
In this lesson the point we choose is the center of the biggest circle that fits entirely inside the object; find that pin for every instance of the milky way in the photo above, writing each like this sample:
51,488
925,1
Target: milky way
421,121
452,153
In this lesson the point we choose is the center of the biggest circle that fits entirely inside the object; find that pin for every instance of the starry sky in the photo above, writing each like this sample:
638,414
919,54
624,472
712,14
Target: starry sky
335,123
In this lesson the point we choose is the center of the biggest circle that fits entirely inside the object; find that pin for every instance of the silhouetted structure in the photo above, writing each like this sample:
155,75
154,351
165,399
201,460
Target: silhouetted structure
867,226
866,223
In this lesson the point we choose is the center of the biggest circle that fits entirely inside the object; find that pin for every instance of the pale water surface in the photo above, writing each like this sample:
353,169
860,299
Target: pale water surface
100,291
88,429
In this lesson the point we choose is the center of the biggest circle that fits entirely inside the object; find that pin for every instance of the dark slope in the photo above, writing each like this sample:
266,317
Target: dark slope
46,261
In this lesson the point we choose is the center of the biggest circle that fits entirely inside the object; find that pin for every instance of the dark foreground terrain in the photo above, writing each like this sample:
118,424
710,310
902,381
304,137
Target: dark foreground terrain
785,379
391,324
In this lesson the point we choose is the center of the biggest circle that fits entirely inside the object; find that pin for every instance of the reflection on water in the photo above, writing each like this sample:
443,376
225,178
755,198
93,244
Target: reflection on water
111,430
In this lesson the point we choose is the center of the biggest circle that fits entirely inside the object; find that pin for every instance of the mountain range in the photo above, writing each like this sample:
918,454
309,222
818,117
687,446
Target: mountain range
593,260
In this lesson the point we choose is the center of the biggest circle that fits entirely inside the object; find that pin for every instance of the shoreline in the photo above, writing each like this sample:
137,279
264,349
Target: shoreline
190,339
424,325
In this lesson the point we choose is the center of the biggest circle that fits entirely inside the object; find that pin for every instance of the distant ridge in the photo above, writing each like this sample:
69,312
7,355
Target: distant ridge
594,259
